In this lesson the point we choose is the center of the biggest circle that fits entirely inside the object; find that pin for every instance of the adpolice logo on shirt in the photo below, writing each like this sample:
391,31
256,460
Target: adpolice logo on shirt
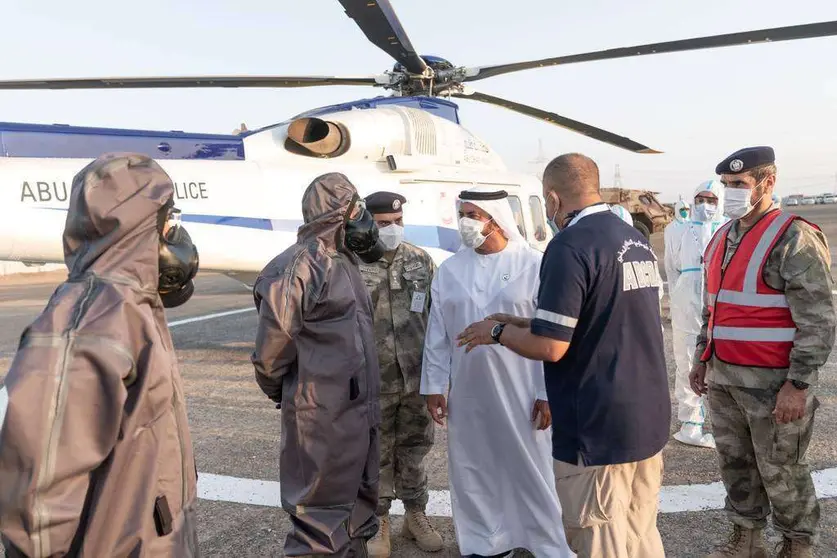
640,274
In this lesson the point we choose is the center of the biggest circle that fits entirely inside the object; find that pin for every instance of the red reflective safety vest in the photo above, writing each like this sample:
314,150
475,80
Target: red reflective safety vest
750,323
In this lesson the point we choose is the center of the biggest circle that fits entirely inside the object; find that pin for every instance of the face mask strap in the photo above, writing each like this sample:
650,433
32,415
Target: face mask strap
761,197
164,215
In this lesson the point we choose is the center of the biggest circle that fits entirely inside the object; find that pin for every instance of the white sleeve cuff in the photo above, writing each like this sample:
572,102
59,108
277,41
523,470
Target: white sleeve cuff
434,389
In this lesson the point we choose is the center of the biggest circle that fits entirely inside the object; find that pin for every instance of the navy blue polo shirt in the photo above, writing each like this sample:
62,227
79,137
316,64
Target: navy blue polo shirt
609,394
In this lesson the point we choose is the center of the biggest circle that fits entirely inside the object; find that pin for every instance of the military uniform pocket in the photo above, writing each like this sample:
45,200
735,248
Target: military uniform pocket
417,279
790,440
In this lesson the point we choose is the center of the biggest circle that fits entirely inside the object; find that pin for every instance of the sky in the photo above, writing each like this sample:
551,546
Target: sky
696,107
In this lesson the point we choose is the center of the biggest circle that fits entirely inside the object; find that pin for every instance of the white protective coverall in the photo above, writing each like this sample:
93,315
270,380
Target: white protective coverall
685,244
502,483
680,208
622,213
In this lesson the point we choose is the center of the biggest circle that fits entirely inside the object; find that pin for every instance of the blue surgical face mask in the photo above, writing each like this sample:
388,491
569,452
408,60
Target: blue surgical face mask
552,224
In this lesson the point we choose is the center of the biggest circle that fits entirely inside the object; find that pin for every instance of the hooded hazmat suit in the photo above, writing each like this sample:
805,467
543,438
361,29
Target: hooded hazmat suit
95,452
684,269
315,355
672,232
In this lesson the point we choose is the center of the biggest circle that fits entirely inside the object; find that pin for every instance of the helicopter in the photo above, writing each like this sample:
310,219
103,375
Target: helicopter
240,193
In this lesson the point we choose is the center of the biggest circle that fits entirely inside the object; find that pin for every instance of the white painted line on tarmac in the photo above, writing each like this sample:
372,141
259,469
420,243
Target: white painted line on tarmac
673,499
211,316
220,488
4,402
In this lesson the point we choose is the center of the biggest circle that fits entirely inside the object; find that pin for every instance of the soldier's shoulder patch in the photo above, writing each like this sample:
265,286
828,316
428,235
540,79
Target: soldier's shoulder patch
413,266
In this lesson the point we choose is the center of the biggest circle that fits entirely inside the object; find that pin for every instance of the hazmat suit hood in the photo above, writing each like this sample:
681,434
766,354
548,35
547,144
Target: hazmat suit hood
716,189
112,222
677,207
324,206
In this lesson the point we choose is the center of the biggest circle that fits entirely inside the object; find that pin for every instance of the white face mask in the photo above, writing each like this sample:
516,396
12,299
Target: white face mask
737,202
705,212
391,236
471,232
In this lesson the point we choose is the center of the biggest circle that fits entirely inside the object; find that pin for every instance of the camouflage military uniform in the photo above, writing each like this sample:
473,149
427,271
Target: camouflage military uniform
399,284
762,462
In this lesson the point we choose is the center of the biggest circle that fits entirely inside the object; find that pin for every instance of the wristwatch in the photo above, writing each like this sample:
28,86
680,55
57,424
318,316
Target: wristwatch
799,384
497,331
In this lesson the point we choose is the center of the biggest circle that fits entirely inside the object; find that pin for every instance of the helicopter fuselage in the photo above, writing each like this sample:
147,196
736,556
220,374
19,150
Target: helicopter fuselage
241,194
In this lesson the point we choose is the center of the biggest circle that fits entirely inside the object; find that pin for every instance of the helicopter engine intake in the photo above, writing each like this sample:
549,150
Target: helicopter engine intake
319,137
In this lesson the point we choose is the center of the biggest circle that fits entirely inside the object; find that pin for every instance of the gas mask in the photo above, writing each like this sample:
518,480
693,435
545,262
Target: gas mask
178,262
362,237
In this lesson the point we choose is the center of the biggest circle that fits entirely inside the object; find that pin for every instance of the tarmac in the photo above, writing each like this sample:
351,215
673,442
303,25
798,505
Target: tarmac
235,430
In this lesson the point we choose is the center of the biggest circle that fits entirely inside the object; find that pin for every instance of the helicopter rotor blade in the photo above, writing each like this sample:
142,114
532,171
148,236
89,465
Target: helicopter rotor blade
377,20
795,32
190,82
562,121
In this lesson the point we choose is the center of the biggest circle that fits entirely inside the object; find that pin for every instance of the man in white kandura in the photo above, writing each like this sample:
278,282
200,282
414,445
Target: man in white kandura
502,484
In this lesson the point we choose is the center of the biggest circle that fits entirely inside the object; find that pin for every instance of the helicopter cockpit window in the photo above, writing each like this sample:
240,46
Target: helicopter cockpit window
517,211
537,218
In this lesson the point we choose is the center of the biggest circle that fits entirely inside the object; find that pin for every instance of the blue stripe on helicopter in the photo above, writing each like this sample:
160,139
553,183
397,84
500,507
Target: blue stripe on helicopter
429,236
84,142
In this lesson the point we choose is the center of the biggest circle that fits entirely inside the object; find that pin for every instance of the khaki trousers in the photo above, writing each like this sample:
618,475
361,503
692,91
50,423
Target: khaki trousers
610,511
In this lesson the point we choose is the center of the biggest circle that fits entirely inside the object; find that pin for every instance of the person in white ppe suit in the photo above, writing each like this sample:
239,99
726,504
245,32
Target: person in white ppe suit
684,248
671,237
502,483
622,213
681,211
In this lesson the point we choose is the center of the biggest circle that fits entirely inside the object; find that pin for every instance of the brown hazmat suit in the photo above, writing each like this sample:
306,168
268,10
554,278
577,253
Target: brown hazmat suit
95,453
315,354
